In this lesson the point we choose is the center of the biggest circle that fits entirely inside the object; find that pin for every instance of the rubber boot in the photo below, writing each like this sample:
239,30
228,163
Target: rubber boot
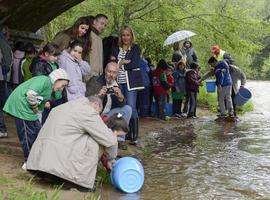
135,131
130,133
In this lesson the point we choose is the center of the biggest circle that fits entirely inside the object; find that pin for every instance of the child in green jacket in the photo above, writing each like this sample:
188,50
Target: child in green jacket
29,98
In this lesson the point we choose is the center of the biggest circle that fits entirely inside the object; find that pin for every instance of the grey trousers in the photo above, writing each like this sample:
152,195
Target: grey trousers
225,95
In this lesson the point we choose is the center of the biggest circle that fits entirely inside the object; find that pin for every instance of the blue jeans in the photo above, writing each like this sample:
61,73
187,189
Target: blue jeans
144,101
46,111
131,98
27,132
126,111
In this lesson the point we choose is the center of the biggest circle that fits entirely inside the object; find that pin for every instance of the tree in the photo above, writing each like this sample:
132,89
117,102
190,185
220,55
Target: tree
233,24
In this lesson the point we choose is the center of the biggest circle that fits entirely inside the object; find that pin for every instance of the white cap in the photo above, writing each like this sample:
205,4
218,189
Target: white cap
58,74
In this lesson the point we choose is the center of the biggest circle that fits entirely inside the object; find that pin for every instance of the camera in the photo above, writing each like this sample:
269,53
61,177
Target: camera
110,90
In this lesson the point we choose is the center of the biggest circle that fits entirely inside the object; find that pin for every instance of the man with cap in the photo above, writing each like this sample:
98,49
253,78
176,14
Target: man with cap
220,54
28,99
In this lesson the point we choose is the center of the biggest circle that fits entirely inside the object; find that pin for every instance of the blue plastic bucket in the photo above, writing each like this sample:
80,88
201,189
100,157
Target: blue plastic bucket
169,109
242,96
210,86
127,175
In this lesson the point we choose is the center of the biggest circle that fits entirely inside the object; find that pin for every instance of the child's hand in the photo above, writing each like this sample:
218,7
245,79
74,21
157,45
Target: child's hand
47,105
78,58
35,109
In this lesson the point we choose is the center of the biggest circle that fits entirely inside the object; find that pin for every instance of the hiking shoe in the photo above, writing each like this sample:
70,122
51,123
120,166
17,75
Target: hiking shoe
3,134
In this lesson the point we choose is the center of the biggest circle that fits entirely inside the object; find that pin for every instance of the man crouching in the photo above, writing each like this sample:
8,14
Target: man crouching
67,146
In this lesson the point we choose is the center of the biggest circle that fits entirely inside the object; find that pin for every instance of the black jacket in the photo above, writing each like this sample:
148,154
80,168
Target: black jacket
40,66
115,103
133,68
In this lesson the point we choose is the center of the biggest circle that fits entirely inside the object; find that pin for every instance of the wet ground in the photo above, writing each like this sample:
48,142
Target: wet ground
191,159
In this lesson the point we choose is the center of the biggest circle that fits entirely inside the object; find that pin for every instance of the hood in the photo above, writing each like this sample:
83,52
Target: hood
187,40
222,65
58,74
67,55
18,54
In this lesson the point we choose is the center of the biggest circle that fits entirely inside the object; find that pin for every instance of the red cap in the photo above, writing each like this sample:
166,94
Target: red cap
215,49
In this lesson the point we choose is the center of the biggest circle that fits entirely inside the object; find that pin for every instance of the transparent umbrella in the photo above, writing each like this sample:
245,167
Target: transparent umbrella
178,36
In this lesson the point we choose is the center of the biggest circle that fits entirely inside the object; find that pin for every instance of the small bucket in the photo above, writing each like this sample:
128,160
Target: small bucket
169,109
242,96
210,86
127,175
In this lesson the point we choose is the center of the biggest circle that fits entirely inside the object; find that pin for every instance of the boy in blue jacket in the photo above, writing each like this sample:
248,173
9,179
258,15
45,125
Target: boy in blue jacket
224,85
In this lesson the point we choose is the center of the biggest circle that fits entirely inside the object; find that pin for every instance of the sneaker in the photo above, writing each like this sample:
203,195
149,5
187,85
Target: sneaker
24,166
178,115
231,115
192,117
221,115
3,134
167,118
133,142
184,114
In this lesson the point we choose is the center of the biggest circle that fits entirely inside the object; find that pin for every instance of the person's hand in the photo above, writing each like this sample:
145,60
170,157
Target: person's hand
78,58
124,62
219,88
177,89
118,93
35,109
102,91
110,164
47,105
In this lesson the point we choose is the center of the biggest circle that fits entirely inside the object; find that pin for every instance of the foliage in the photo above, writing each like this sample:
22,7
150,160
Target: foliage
238,26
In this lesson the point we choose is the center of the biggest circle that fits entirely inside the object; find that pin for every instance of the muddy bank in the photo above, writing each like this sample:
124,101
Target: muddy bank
11,157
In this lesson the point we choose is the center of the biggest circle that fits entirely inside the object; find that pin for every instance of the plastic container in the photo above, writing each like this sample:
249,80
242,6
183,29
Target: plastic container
210,86
127,175
169,109
242,96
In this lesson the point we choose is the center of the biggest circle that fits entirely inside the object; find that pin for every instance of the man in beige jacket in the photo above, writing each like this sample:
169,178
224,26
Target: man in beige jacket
67,146
96,54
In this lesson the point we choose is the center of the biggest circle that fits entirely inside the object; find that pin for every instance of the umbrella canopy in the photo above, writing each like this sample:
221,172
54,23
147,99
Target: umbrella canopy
178,36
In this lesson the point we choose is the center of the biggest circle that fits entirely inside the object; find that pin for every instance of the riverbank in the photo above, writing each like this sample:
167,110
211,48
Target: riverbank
15,181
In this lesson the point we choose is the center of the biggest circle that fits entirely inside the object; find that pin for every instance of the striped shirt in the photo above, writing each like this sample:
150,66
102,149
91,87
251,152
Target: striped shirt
121,78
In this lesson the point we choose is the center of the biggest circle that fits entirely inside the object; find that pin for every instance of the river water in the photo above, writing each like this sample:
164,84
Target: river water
205,159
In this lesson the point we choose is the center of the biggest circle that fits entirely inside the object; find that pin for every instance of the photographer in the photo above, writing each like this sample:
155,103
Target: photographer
110,93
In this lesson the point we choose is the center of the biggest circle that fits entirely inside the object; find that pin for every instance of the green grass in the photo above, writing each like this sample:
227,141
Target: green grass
28,191
209,101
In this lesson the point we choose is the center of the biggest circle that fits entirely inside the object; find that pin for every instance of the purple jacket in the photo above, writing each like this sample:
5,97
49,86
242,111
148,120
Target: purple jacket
191,81
75,71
